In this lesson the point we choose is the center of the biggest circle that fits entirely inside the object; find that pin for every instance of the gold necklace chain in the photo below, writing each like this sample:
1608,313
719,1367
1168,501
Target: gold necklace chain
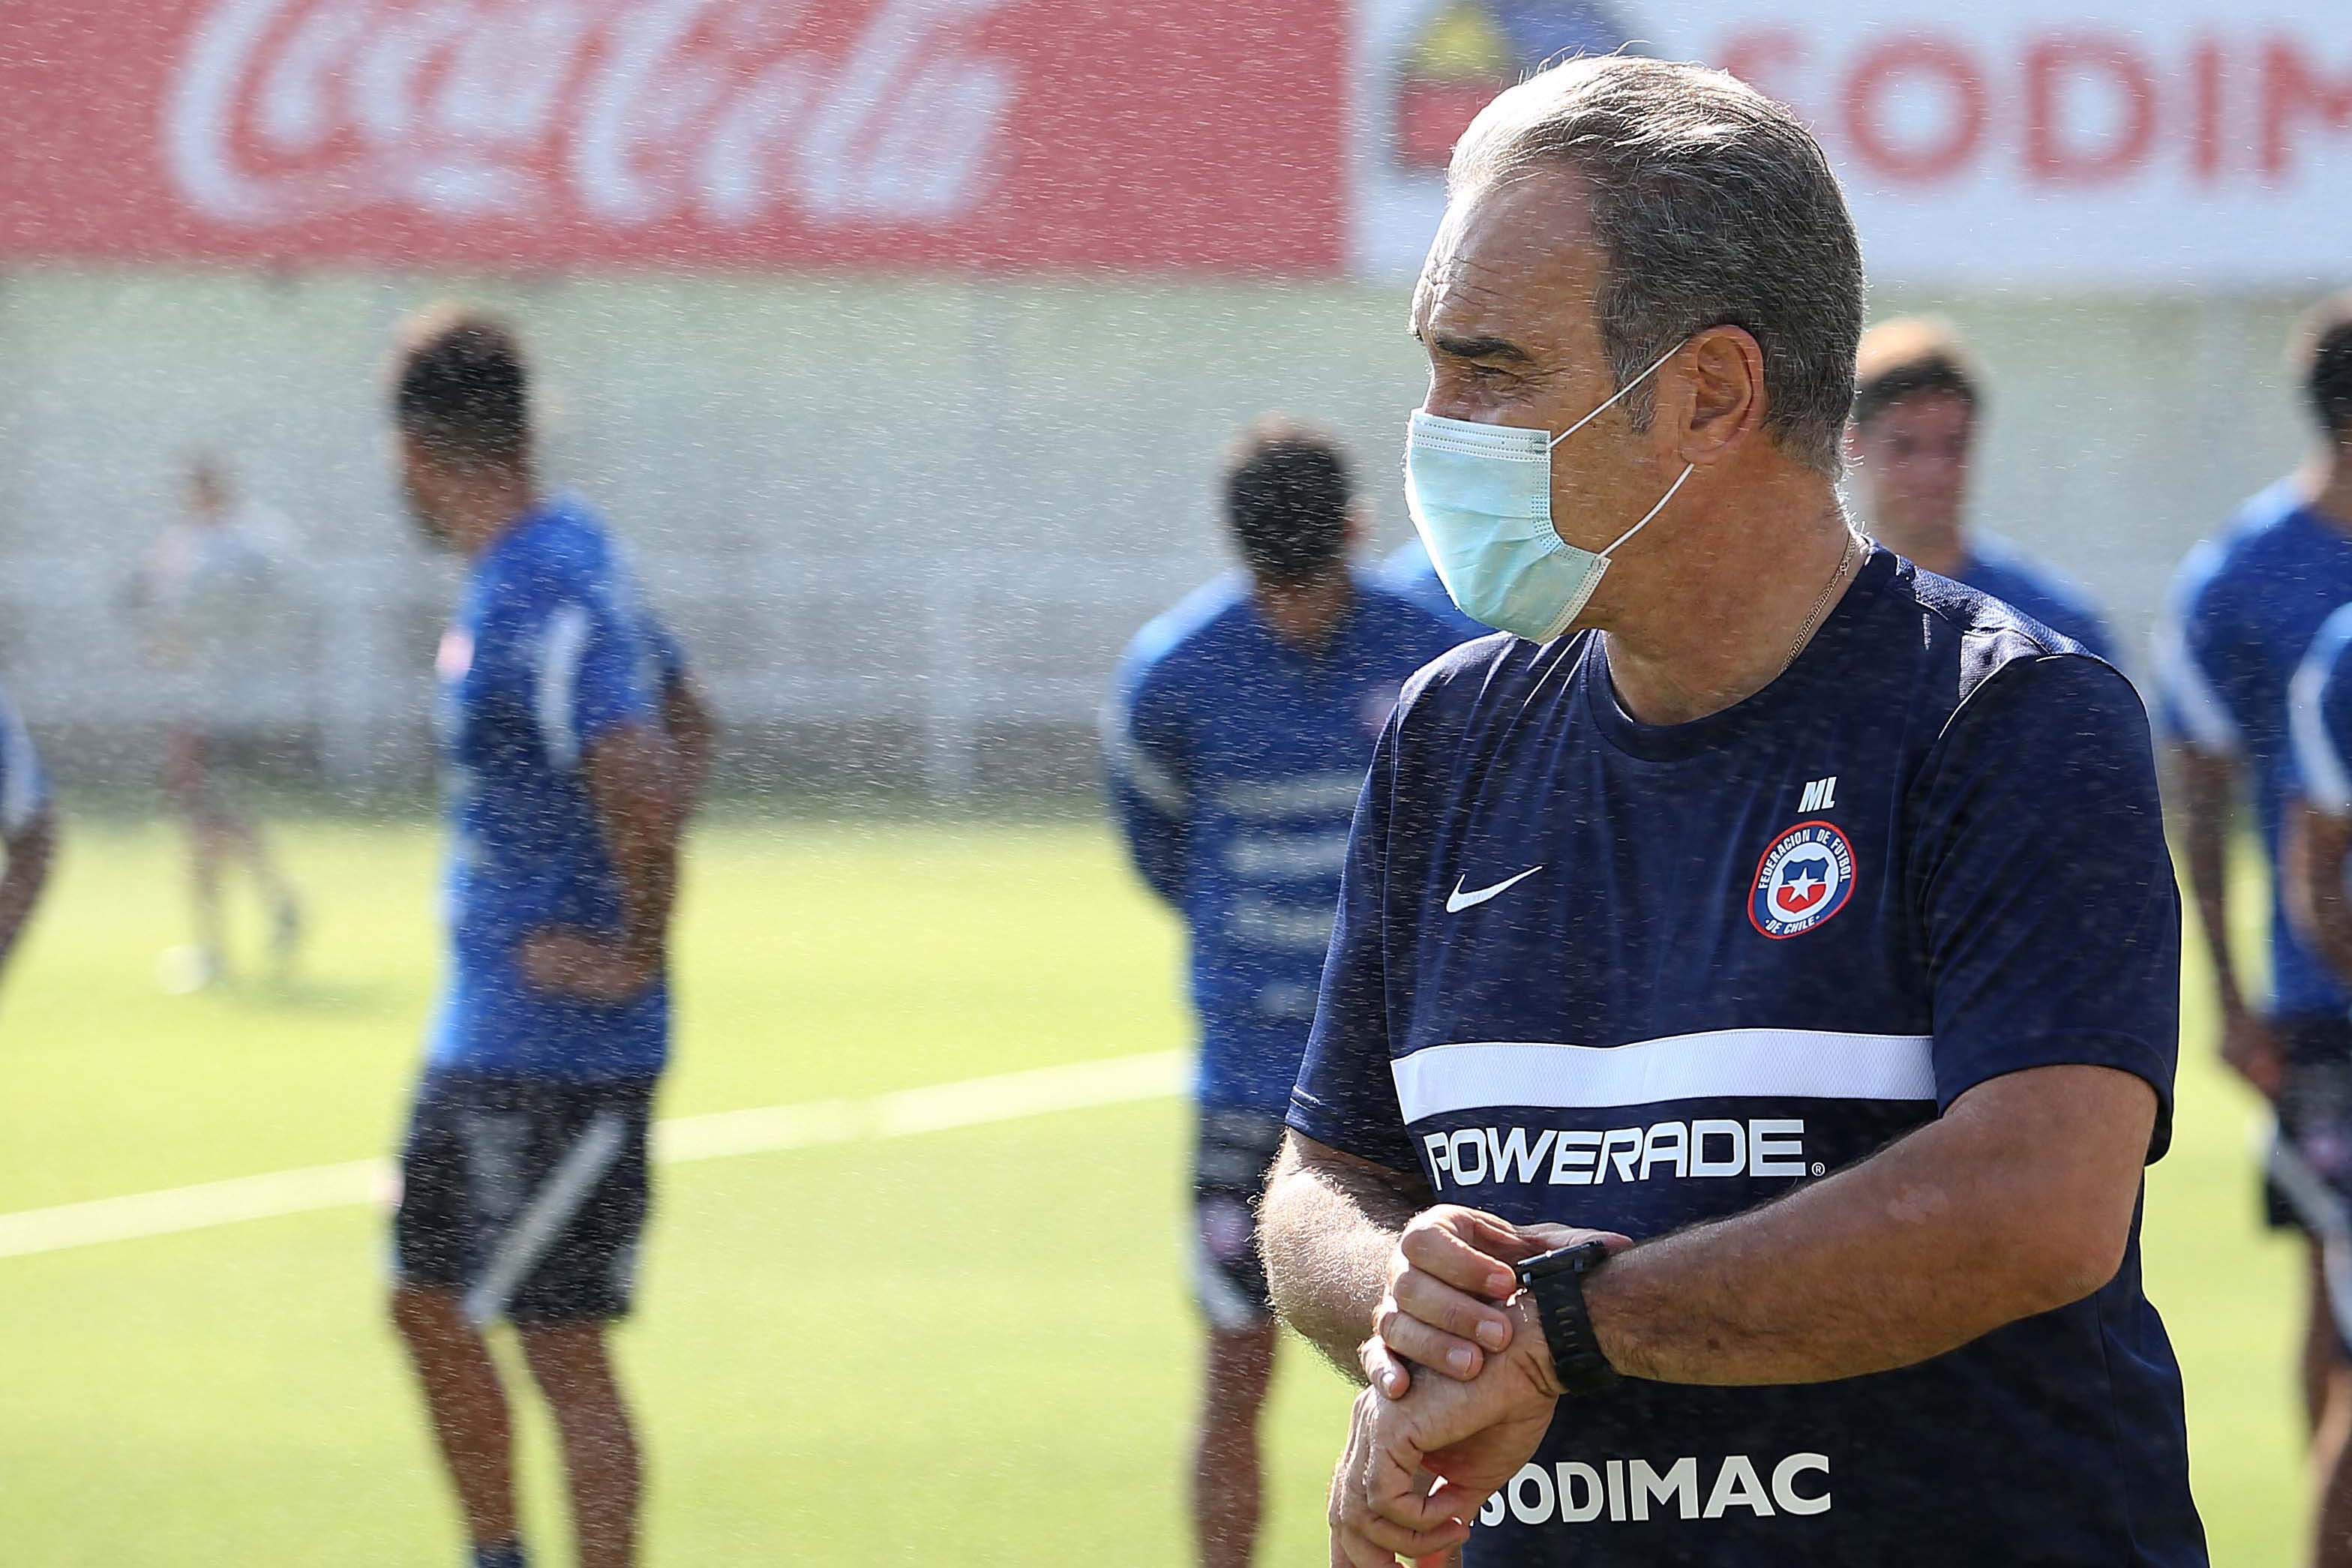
1821,604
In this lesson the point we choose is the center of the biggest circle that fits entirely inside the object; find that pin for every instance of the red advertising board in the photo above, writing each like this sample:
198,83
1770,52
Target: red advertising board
1175,134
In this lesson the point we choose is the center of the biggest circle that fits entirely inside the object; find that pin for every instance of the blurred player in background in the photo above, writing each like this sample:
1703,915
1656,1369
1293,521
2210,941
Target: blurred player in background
2246,608
575,745
27,829
1409,572
1236,740
1917,394
2311,1165
205,582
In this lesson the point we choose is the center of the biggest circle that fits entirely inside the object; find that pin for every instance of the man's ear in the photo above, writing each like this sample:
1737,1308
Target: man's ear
1719,403
1359,528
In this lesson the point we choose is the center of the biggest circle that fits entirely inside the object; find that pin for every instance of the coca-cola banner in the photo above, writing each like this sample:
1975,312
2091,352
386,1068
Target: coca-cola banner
2140,143
813,133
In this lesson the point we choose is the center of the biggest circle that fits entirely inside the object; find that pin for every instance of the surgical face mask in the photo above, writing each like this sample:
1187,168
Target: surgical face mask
1481,496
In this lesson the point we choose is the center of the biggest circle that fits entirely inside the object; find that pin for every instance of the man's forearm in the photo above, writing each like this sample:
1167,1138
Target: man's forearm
2310,870
2206,791
693,738
633,780
1939,1239
1328,1229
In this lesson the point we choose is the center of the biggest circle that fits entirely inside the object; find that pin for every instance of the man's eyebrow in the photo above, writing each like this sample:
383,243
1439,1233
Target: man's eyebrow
1454,348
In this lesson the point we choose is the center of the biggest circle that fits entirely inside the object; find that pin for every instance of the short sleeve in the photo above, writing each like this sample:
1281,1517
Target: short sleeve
23,792
1346,1093
2205,669
2039,862
1147,767
2319,718
591,675
1143,740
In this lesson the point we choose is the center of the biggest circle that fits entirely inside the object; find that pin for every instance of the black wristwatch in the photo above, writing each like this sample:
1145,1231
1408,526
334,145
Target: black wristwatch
1555,1281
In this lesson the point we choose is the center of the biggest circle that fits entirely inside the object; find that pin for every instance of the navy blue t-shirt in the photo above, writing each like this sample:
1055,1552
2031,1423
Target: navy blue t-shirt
1603,973
2245,608
1235,762
1996,567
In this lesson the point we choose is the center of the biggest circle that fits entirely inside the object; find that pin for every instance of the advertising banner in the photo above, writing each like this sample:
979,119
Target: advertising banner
1154,134
2154,144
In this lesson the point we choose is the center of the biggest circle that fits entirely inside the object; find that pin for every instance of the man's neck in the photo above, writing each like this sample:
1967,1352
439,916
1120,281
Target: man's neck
1734,621
1306,615
489,508
2331,486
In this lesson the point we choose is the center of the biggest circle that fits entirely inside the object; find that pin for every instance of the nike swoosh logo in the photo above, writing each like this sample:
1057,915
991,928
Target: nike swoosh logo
1457,901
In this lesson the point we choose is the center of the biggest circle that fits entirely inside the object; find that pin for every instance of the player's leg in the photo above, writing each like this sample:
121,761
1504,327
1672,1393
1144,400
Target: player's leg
1226,1464
2311,1186
2324,1363
244,837
586,1216
2314,1114
2331,1464
1230,1162
467,1403
437,1241
236,837
188,789
601,1458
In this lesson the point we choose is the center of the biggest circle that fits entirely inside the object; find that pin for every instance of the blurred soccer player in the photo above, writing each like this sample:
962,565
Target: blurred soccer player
1235,741
202,585
1408,570
573,745
1918,393
2311,1165
2245,608
27,829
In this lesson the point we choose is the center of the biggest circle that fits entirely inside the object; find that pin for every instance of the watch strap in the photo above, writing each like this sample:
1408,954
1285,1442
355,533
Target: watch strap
1554,1281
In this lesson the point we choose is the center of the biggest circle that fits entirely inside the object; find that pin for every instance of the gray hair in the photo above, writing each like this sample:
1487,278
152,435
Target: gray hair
1714,206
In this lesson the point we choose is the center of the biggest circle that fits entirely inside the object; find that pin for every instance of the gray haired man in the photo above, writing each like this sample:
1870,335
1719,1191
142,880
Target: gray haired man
1753,995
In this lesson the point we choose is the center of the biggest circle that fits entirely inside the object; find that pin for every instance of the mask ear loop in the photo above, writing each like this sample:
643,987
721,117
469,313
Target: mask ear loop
1614,400
1688,469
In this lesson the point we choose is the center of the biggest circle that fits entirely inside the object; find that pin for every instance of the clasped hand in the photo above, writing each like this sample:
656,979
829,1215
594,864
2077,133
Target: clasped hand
1424,1454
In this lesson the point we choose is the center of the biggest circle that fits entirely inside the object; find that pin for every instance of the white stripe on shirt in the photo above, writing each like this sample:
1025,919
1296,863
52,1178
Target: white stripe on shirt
560,649
1138,767
1305,795
2206,722
2326,782
1732,1063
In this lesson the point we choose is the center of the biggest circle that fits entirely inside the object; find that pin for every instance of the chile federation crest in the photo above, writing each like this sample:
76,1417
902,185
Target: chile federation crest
1804,879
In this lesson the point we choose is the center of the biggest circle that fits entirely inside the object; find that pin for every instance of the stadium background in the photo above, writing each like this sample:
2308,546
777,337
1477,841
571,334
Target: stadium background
911,413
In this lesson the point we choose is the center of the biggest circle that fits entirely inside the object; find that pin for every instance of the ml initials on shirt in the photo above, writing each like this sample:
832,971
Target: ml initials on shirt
1819,795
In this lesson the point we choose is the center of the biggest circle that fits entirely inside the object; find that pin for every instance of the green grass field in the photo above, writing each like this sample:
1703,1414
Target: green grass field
968,1346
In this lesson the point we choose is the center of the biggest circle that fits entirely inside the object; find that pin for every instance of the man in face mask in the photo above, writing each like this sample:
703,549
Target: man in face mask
1721,1136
